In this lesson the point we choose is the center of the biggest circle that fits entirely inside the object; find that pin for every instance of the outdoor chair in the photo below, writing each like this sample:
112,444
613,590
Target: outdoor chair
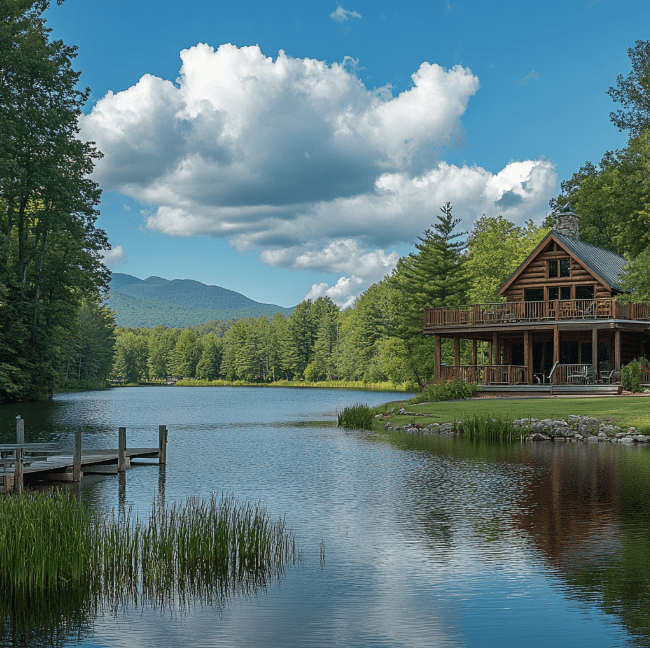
606,377
579,376
590,310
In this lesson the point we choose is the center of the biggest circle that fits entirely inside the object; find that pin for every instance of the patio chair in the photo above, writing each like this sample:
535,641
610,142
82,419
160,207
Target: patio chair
606,377
579,376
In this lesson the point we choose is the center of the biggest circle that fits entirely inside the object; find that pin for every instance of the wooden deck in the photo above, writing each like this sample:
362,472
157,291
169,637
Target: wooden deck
22,462
504,313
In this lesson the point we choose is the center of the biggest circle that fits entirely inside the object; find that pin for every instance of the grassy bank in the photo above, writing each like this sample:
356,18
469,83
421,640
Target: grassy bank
624,411
327,384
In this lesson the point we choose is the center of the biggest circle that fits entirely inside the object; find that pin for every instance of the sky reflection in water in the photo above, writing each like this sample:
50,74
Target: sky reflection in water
428,541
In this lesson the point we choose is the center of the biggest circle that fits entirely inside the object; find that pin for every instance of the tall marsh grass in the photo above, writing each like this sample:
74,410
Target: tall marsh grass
488,428
54,552
356,417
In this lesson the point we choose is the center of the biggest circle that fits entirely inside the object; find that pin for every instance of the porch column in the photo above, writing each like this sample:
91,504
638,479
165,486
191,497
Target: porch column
490,351
437,356
528,347
474,354
556,344
594,352
617,349
456,353
496,349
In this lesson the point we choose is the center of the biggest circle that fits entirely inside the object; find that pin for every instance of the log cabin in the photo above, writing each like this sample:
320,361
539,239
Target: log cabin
560,323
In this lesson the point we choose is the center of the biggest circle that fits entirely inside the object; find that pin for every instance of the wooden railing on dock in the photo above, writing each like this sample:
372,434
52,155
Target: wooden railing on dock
49,461
558,309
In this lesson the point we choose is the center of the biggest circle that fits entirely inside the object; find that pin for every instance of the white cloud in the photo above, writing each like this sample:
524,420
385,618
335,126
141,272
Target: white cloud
343,293
115,256
341,15
299,160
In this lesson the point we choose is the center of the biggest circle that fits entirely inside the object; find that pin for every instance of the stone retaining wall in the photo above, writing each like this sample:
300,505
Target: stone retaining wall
577,428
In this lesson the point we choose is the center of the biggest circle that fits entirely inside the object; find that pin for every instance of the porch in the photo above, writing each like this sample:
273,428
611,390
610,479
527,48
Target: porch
579,378
534,311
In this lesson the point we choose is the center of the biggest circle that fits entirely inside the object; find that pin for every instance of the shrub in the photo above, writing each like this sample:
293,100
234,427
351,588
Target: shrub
356,417
455,389
631,374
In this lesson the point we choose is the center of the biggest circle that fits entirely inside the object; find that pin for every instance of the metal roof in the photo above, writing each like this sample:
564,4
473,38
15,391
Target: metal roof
607,265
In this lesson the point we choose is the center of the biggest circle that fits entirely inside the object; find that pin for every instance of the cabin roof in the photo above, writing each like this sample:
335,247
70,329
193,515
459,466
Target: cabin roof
607,266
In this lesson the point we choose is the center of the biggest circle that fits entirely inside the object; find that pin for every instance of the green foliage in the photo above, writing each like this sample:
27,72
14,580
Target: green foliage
50,249
356,417
633,92
455,389
92,347
489,428
496,248
435,276
631,374
612,200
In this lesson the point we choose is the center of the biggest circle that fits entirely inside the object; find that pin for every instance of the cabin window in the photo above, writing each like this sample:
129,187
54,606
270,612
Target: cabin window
559,268
553,293
534,294
569,353
565,267
584,292
565,292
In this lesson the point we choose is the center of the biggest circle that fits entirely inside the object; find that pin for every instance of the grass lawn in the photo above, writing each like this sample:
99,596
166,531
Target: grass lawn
624,411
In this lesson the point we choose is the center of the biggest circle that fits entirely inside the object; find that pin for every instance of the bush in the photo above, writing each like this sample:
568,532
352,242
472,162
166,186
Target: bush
455,389
631,374
356,417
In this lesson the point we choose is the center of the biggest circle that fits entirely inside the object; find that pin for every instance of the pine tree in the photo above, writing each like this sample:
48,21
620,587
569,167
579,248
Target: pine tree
435,276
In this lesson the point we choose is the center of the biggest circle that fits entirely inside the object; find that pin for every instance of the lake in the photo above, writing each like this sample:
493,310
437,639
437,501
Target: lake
406,540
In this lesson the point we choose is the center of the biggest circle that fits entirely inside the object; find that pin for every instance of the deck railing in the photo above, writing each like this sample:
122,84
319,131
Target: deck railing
539,311
486,374
563,374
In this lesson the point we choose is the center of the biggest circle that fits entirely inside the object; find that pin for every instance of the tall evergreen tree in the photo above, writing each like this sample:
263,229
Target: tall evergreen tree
49,246
435,276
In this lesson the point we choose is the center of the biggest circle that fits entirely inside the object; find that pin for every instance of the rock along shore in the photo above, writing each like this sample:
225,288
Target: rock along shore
577,428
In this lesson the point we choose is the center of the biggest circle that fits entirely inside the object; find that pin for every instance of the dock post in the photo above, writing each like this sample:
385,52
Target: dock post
162,444
76,457
121,451
20,453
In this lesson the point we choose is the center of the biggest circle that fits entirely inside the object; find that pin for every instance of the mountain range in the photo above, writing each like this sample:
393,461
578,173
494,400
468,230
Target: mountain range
178,303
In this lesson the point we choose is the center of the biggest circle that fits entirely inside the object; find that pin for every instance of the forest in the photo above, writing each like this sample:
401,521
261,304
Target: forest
56,331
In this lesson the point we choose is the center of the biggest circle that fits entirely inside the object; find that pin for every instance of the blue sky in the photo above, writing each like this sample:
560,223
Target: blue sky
292,149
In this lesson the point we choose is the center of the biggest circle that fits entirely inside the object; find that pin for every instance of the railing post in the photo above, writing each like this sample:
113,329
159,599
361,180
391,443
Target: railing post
20,453
162,444
121,451
76,457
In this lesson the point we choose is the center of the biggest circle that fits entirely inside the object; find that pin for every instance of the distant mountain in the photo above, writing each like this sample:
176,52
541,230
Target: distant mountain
182,302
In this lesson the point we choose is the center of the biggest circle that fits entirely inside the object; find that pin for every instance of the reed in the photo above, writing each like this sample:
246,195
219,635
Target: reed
487,428
356,417
52,549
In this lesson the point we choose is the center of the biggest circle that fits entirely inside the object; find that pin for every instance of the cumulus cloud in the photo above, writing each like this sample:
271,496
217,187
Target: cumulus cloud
299,160
115,256
341,15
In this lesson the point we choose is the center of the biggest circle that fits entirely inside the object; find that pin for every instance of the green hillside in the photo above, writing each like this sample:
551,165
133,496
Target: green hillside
179,303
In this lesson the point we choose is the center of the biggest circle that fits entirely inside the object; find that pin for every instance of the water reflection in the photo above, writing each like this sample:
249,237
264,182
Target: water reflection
428,541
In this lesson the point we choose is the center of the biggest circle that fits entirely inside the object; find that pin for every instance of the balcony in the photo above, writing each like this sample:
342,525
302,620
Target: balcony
541,311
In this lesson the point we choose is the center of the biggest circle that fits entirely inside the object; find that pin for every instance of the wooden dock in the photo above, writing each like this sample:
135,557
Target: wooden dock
21,462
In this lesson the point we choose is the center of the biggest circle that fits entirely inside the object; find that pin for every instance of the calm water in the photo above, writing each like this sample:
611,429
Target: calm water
427,541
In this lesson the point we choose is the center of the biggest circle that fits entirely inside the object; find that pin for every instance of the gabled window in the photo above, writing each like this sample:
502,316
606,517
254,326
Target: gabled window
559,268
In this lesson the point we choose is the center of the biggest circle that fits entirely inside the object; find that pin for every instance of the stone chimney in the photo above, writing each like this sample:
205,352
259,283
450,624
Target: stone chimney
566,222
